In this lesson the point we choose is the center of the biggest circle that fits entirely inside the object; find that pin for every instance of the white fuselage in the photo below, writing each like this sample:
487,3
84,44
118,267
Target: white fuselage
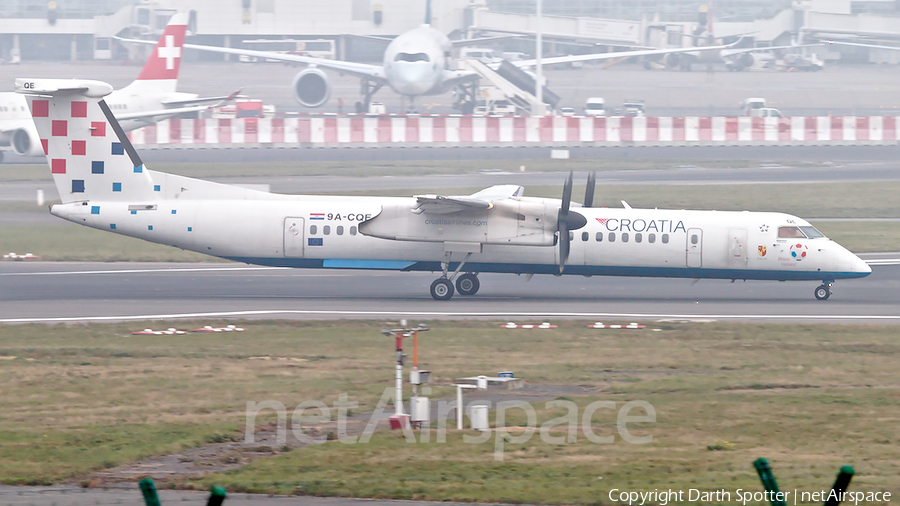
415,61
313,231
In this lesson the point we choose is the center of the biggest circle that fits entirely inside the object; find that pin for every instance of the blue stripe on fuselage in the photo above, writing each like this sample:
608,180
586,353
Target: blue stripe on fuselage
579,270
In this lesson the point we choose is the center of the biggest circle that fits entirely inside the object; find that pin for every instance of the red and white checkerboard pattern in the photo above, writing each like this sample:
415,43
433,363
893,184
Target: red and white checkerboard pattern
86,158
351,130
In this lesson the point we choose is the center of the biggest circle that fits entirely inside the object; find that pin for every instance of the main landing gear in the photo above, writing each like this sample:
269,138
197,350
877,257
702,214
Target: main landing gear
823,291
466,284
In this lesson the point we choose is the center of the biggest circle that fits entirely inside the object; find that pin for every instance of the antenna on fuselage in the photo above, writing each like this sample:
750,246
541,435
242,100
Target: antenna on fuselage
427,12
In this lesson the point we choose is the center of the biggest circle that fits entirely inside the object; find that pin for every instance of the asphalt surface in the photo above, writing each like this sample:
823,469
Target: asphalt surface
838,90
51,292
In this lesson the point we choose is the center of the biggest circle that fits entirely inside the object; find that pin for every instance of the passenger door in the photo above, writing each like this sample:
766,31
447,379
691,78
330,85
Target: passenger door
293,237
694,247
737,247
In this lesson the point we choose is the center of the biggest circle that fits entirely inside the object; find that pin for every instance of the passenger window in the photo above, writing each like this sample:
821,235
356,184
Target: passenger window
599,236
624,236
790,233
326,229
694,239
585,236
638,237
312,230
353,230
665,238
651,238
340,230
612,237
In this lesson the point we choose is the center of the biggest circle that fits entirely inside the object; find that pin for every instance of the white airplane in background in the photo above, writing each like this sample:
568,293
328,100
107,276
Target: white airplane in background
415,63
150,98
495,230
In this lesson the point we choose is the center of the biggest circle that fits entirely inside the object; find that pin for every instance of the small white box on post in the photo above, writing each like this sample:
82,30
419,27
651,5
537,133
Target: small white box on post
417,377
421,411
478,416
481,383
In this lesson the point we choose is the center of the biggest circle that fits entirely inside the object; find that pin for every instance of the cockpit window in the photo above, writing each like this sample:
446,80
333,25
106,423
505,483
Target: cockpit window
811,232
790,233
411,57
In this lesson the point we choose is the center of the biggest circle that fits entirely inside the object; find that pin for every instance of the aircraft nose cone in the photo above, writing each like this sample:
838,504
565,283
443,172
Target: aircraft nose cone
412,78
861,267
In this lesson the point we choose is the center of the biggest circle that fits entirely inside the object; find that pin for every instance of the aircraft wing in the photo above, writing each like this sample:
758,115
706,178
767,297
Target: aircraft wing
471,42
439,204
363,70
860,44
153,116
373,38
200,100
731,52
609,56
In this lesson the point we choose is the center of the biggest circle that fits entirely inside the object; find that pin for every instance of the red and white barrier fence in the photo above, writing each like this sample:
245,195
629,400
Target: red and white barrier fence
519,130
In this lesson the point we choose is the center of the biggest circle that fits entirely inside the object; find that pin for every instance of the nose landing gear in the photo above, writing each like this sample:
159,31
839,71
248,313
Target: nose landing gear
823,291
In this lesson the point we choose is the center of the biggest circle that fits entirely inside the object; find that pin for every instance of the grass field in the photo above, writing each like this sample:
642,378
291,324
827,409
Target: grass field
810,398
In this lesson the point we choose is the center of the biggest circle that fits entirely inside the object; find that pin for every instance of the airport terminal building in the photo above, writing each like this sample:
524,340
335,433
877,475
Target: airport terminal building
32,30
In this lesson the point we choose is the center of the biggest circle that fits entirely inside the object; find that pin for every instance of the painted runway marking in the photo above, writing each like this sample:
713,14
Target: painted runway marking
222,314
884,261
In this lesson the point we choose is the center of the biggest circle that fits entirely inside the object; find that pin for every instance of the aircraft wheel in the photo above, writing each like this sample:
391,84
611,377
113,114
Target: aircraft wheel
467,284
823,292
1,156
442,289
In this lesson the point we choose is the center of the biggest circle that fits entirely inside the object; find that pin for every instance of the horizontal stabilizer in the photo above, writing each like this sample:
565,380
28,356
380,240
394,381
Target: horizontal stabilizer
86,87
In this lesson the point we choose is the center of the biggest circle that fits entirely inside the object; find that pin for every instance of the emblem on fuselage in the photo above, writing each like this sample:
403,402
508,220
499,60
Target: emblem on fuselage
762,251
798,251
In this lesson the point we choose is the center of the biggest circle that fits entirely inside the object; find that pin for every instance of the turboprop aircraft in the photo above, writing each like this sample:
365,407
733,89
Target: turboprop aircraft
103,184
149,98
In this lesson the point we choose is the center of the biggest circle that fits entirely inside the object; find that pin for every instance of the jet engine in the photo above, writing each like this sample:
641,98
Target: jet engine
747,60
25,144
311,87
673,60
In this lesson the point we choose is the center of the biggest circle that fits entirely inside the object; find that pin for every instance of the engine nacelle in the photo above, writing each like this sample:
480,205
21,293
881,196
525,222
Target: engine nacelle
521,222
673,60
311,87
747,60
25,143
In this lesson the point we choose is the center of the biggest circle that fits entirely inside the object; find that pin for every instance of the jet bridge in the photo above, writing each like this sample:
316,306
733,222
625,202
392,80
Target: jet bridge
515,83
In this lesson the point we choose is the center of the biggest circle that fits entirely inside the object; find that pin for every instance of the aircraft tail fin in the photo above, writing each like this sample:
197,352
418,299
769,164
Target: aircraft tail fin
161,70
89,155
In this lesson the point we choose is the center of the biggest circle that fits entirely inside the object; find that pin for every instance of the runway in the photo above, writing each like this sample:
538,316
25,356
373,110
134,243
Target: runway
70,292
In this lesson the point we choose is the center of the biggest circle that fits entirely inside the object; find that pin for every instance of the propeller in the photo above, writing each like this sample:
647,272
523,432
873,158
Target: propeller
565,221
589,190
